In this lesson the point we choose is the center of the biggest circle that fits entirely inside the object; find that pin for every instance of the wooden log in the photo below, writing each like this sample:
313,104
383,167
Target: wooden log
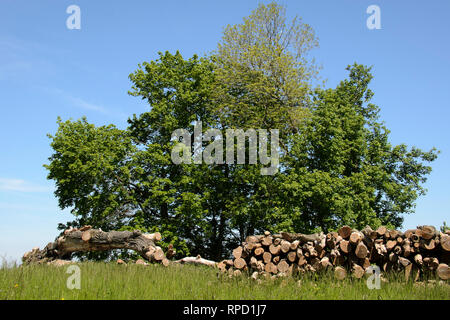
198,260
381,231
267,257
166,262
340,273
239,263
86,235
271,268
355,237
274,250
156,255
369,233
409,233
292,256
445,243
345,232
259,251
390,244
443,271
266,241
222,266
294,245
344,246
361,250
428,232
406,248
285,246
93,240
249,246
253,263
141,262
428,245
253,239
276,241
237,252
325,263
357,271
301,261
282,266
300,236
393,234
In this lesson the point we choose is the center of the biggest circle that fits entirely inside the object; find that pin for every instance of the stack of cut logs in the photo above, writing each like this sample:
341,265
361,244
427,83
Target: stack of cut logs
415,252
88,239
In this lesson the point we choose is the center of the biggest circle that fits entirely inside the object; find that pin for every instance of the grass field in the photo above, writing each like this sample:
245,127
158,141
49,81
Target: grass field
112,281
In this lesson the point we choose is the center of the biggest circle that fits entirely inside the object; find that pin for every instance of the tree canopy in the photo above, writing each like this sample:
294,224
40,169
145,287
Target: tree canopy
337,165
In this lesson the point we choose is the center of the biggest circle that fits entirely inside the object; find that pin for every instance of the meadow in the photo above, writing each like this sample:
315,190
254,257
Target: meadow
109,281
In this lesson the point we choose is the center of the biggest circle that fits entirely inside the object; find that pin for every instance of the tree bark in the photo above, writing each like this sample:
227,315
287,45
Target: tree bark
75,240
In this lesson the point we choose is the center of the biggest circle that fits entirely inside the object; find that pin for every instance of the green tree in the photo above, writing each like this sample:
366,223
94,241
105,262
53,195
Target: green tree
188,199
263,72
343,170
262,80
89,166
337,166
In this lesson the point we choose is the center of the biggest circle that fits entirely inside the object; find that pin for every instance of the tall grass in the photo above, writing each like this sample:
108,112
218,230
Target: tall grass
111,281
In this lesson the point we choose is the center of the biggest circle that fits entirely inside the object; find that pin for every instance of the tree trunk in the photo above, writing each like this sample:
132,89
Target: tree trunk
75,240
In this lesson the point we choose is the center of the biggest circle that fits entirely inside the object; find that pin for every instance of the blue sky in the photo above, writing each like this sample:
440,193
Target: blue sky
47,70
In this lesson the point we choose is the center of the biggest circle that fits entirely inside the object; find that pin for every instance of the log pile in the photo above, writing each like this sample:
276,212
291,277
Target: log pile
88,239
416,252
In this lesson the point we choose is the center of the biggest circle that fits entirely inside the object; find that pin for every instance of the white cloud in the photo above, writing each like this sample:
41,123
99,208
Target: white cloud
77,102
83,104
21,186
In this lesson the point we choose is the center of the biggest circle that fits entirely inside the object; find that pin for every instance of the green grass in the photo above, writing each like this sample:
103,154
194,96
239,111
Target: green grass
111,281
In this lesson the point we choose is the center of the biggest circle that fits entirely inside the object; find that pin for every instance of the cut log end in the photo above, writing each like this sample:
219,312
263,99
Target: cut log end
340,273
